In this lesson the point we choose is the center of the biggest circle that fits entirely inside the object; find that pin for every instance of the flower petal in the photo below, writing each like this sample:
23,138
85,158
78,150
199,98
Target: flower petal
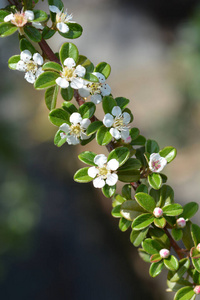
30,77
62,82
29,14
126,118
124,133
157,162
93,171
115,133
80,71
73,140
38,25
75,118
38,59
113,164
54,9
25,55
38,72
98,182
112,179
69,62
100,160
116,111
108,120
84,92
21,66
65,127
62,27
76,83
96,99
8,18
85,123
84,136
105,89
100,76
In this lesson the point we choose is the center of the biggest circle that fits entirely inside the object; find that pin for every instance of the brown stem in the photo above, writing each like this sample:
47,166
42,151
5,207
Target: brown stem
176,247
48,52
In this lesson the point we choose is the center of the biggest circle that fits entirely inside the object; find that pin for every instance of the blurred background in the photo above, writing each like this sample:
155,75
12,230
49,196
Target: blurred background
57,237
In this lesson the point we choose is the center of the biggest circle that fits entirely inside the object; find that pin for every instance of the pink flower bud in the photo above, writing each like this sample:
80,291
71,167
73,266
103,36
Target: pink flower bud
164,253
180,223
197,289
198,247
158,212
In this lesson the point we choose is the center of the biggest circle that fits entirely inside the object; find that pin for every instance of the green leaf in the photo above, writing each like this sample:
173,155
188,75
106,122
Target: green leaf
109,191
58,141
155,181
151,146
87,157
90,77
196,277
177,234
86,141
118,200
59,116
185,293
134,133
93,127
160,222
116,212
128,175
187,237
189,210
68,93
142,188
126,191
33,34
155,258
124,224
175,286
108,103
87,110
145,256
86,63
51,97
40,16
82,175
145,201
68,50
166,195
159,235
52,66
196,263
195,230
137,236
171,263
69,107
3,14
7,29
47,33
121,154
172,209
130,165
75,30
57,3
156,268
169,153
139,141
103,136
45,80
122,102
142,221
184,265
26,45
130,210
12,62
151,246
194,253
103,68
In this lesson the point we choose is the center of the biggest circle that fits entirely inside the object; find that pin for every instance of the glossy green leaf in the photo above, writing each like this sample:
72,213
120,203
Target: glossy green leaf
109,191
184,265
177,234
103,136
159,235
86,141
151,146
103,68
87,157
130,209
116,211
12,62
166,195
151,246
196,263
93,127
82,175
145,201
124,224
145,256
171,263
26,45
128,175
155,258
45,80
196,277
3,14
189,210
139,141
33,34
90,77
87,110
40,16
108,103
194,253
160,222
69,107
68,50
134,133
187,236
155,181
118,200
131,164
51,97
75,30
52,66
47,33
175,286
58,141
172,209
7,29
169,153
156,268
185,293
86,63
142,221
59,116
126,191
121,154
122,102
67,94
195,230
137,236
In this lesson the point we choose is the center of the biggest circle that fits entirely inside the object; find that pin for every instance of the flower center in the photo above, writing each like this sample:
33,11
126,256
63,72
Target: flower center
68,73
76,130
94,88
60,17
119,122
19,19
156,164
31,66
103,172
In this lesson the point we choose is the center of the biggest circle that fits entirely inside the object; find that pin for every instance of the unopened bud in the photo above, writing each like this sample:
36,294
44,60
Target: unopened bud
198,247
158,212
180,223
164,253
197,289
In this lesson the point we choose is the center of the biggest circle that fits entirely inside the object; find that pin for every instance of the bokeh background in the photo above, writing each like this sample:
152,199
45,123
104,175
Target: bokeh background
57,237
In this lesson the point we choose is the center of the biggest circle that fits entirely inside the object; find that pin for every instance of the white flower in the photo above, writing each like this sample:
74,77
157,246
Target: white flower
97,90
76,131
71,75
157,162
164,253
30,65
61,18
118,122
19,19
104,172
